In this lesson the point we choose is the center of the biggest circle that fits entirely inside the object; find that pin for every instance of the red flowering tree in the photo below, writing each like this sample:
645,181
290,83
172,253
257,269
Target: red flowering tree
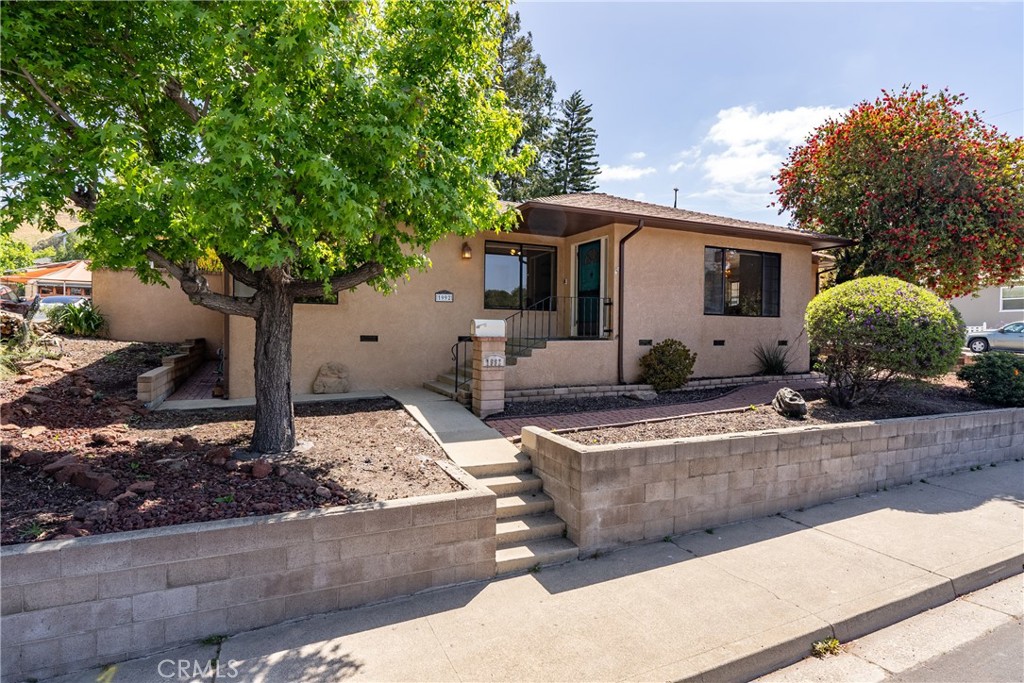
931,193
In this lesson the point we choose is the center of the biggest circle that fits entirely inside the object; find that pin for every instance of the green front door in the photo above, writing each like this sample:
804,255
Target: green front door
588,289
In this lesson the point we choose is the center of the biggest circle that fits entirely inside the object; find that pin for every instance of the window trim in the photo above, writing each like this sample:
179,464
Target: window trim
1002,299
522,246
722,250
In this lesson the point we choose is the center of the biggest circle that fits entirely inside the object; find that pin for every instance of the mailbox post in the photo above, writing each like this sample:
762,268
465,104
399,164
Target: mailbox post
488,367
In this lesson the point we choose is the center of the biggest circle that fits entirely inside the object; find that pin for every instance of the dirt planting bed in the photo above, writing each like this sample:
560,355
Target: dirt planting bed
81,456
943,395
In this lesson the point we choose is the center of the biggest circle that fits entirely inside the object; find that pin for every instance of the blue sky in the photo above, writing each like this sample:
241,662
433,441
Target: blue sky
708,97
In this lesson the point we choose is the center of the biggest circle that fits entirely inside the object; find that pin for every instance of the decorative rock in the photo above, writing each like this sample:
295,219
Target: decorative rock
60,464
102,484
331,379
281,471
222,453
64,475
103,438
261,469
31,458
789,403
32,431
322,491
96,511
186,442
232,465
142,486
126,497
299,480
8,451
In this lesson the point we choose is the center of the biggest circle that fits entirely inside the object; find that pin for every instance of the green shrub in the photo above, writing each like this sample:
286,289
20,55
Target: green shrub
771,359
668,365
872,330
996,377
83,320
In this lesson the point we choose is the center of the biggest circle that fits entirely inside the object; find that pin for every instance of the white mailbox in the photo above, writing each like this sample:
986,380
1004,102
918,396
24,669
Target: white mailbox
488,328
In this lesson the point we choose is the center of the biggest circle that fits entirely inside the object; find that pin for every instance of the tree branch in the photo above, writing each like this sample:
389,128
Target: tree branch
198,289
239,271
365,272
173,90
71,126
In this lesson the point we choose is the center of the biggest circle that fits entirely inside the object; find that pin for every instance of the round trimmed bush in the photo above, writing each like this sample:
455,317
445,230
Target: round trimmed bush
871,330
996,377
668,365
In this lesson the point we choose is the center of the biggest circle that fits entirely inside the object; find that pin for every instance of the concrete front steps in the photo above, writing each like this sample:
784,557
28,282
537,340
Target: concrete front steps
529,534
446,385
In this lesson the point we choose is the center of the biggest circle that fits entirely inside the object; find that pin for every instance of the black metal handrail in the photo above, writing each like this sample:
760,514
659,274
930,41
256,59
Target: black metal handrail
562,317
460,351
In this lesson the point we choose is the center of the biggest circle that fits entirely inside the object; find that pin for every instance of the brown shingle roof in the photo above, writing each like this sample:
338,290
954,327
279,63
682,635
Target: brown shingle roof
598,204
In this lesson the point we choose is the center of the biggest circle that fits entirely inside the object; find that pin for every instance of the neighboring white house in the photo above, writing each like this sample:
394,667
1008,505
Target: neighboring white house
992,307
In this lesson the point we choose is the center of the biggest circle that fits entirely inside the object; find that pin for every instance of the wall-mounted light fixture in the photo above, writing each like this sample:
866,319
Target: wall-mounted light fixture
467,253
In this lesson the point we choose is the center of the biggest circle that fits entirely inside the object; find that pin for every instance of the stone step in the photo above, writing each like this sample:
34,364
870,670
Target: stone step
535,554
449,380
510,484
499,466
518,530
523,504
448,390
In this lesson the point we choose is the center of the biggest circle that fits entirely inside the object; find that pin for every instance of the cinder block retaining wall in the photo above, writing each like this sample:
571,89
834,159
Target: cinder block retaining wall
70,605
157,384
616,494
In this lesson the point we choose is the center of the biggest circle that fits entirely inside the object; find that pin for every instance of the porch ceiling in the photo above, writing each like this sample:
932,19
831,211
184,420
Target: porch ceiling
548,217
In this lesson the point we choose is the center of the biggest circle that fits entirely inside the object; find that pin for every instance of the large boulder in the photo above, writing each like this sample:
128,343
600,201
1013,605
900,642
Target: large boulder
331,379
789,403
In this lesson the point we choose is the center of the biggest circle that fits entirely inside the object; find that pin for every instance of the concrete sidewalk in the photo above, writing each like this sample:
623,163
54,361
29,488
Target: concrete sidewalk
726,604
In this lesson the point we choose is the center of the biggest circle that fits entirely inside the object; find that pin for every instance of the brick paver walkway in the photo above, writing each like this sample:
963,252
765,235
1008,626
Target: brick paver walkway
755,394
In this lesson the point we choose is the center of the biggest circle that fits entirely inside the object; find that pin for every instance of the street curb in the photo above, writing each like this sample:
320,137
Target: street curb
747,660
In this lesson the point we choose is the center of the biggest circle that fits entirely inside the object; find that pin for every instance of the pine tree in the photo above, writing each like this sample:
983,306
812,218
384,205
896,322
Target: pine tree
572,161
531,95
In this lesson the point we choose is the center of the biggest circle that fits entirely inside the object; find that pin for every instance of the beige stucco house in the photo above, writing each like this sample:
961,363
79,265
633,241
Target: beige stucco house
992,307
594,279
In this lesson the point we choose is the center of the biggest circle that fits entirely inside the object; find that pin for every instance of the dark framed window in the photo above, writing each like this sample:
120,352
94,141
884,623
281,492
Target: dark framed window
519,276
740,282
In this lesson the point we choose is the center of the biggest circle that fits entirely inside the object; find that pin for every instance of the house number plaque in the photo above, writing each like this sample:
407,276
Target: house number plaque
444,297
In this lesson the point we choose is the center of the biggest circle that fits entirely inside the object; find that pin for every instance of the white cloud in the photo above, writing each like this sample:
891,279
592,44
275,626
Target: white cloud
640,196
686,159
637,156
625,172
750,146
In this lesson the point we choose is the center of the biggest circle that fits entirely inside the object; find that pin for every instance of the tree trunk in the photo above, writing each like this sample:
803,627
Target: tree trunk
275,418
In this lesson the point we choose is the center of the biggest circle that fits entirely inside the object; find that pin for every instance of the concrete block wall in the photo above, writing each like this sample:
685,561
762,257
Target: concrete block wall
157,384
71,605
616,494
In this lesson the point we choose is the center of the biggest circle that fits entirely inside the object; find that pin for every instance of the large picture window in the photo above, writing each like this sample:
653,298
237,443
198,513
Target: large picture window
1011,298
519,276
738,282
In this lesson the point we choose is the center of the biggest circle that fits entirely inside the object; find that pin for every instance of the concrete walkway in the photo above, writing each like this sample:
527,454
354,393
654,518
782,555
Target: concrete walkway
469,443
754,394
727,604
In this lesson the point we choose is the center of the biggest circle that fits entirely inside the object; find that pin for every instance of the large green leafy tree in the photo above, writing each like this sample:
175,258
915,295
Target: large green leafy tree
572,165
311,146
931,193
531,95
14,254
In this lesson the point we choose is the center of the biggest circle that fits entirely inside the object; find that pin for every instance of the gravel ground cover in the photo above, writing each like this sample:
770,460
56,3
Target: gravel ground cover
582,405
943,395
81,456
